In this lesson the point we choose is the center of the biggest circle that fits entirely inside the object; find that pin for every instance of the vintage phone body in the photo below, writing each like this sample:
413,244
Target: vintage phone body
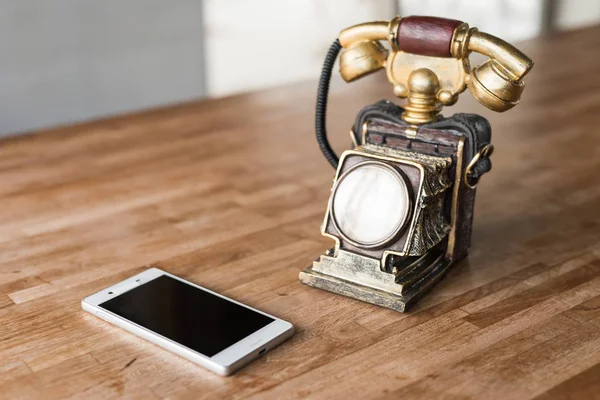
168,311
401,206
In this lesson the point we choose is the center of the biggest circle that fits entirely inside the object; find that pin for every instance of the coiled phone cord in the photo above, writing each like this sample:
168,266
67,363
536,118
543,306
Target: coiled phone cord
321,108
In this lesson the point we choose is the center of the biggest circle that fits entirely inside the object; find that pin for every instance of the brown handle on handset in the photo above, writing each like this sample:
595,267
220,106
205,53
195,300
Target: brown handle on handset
426,36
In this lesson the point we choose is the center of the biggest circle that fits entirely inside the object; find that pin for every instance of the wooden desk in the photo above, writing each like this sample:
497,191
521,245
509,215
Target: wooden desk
230,193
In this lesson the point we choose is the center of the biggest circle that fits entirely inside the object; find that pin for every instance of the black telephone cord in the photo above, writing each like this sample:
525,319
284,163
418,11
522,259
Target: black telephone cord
321,108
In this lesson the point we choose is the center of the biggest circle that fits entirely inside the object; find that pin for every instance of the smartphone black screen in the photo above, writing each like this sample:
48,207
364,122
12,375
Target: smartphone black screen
187,315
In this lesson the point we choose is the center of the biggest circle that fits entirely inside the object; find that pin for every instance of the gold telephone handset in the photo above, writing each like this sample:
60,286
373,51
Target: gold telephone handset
428,64
497,83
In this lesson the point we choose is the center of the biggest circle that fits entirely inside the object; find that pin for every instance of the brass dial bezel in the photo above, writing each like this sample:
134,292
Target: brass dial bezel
400,227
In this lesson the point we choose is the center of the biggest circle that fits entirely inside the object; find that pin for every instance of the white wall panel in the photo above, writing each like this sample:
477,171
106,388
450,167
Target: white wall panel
508,19
262,43
577,13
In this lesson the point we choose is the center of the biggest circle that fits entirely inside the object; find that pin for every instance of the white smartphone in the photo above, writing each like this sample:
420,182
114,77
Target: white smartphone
200,325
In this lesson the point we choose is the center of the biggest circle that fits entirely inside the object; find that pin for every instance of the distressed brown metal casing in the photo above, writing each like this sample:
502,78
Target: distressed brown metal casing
450,143
433,158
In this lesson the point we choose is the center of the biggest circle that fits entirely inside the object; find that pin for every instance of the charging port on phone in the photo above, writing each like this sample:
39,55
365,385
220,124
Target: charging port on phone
263,351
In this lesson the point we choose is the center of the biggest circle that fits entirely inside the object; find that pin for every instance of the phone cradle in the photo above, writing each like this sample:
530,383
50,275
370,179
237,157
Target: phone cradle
361,277
441,163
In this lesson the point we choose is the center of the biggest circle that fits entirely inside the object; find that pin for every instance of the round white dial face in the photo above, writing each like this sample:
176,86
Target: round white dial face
370,204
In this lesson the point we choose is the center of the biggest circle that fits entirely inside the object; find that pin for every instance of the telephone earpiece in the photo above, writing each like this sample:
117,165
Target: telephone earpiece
498,82
361,59
493,88
363,54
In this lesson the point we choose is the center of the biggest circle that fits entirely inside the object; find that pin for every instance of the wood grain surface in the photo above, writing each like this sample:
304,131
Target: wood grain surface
230,193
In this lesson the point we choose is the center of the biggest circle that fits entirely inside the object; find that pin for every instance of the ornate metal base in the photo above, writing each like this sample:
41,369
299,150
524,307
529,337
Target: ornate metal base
362,278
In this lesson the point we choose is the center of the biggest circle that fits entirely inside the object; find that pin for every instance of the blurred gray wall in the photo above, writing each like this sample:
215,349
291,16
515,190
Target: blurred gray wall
64,61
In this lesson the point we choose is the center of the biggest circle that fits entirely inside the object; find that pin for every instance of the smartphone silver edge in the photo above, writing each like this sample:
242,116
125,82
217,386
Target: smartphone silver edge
223,363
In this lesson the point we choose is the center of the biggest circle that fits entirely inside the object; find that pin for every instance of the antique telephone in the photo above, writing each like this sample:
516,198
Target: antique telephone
401,206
